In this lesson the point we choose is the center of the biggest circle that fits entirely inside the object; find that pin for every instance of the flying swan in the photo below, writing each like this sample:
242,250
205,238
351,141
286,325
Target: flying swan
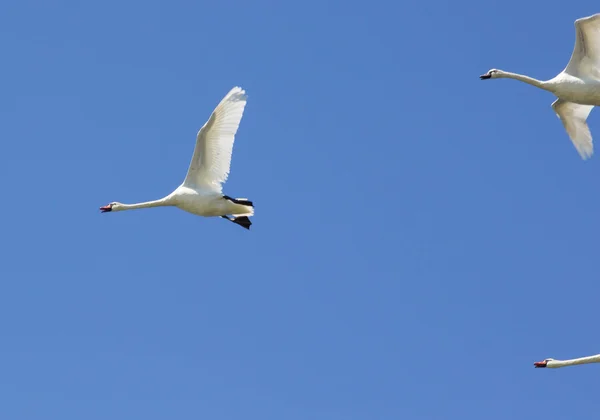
201,191
577,86
553,363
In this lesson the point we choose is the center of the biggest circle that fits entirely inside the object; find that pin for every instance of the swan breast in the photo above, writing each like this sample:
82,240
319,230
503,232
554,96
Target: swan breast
200,203
576,90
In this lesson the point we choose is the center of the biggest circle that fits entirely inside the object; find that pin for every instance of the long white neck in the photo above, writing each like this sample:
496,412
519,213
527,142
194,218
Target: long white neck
147,204
571,362
522,78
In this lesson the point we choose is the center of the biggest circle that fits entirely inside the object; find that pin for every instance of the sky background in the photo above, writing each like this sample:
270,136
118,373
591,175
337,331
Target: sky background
421,237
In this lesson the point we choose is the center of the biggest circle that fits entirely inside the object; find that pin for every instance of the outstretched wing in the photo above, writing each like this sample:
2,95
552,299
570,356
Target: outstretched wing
585,60
211,161
573,117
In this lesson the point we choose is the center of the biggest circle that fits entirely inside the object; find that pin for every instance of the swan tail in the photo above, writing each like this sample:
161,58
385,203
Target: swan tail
241,206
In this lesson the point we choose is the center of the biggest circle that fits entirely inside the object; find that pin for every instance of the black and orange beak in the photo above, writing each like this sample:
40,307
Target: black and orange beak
106,208
485,76
541,364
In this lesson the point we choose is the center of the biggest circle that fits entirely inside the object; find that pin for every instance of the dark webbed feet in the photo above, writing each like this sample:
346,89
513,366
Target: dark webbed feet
243,221
241,201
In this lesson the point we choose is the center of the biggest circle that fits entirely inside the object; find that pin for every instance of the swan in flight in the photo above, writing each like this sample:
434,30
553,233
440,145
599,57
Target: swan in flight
577,87
201,191
553,363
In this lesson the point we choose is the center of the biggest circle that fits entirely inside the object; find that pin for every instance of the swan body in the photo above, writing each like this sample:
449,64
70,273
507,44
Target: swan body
201,191
553,363
574,89
207,204
577,87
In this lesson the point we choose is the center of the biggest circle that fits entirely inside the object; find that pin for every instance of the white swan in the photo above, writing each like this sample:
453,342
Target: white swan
201,191
577,86
553,363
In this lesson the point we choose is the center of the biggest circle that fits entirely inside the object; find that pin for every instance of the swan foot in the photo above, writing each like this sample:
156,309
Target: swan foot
241,201
243,221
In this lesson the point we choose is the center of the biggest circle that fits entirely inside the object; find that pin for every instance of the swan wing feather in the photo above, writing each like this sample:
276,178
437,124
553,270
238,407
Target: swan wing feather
211,160
573,117
585,59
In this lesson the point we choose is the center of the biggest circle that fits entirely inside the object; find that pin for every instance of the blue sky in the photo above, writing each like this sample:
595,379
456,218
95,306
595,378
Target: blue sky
421,237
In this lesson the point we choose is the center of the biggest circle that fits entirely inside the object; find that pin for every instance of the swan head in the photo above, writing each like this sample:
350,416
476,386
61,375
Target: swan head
543,363
492,74
114,206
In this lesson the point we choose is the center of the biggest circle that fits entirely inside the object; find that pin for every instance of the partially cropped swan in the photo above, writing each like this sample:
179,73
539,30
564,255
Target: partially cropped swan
201,191
553,363
577,86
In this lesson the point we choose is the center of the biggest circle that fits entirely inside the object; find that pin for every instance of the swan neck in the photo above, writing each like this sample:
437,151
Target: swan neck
523,78
579,361
147,204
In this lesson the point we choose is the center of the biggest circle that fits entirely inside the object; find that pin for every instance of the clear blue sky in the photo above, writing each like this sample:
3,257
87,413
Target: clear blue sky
421,237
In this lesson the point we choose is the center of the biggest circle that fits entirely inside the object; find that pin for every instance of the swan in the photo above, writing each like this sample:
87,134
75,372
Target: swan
201,191
577,87
553,363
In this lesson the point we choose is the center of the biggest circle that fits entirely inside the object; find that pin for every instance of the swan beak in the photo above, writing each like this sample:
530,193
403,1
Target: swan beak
106,208
540,364
485,76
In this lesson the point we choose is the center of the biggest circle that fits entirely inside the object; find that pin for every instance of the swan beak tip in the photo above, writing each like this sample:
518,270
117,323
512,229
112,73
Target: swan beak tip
105,209
540,364
485,76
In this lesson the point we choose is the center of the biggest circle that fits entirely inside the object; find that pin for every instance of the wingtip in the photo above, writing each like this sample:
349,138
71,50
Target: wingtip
237,89
237,94
585,152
